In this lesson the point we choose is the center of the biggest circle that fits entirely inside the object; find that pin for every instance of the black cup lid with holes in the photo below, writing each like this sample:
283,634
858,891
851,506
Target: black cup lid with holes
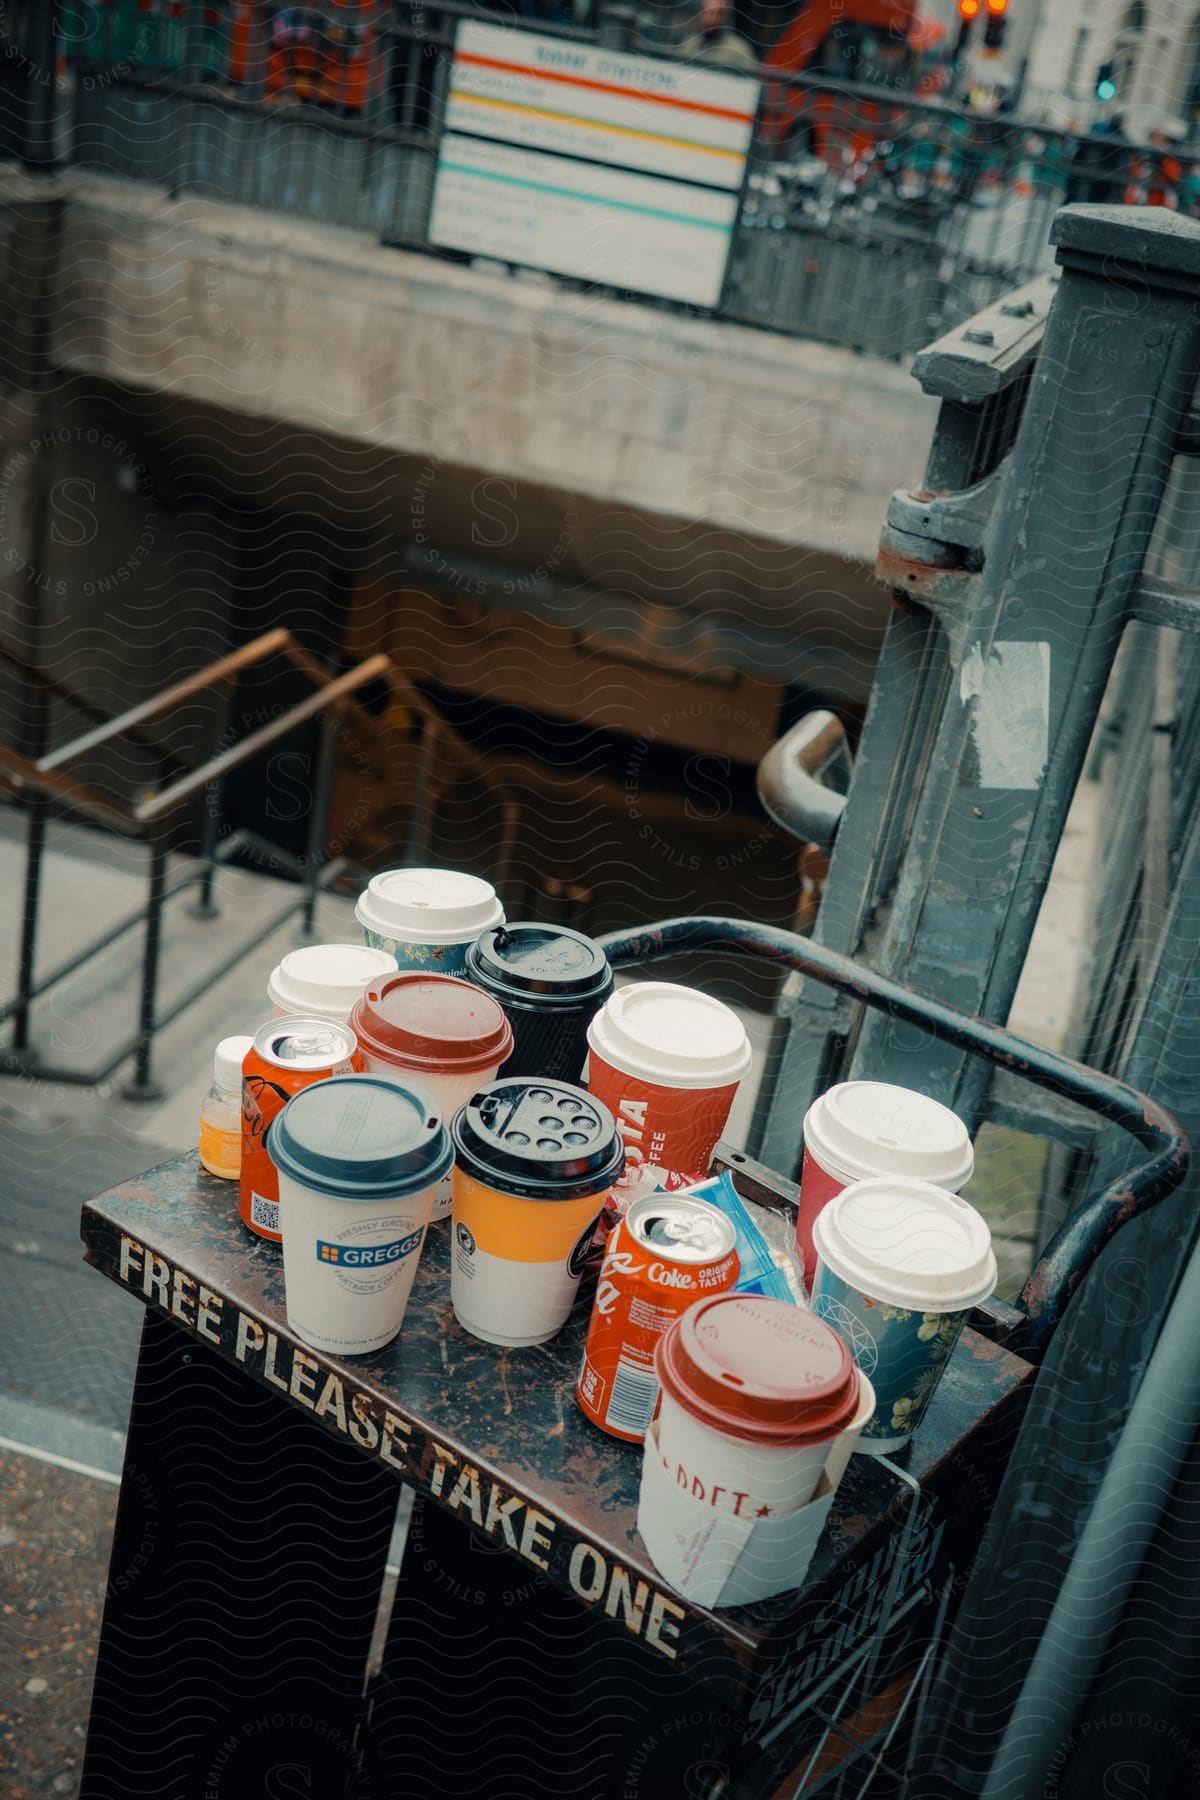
542,1140
539,965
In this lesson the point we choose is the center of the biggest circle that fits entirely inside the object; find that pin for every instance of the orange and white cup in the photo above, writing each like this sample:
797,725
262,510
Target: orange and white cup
534,1162
862,1129
666,1060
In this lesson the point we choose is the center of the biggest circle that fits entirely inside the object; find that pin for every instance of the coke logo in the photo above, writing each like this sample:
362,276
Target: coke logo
607,1295
665,1276
621,1263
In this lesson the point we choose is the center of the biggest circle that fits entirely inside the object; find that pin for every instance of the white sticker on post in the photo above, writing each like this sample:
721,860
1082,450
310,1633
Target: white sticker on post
1008,691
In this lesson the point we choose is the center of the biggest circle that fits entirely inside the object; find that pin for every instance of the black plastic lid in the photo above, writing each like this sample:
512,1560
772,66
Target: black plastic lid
543,965
544,1140
360,1137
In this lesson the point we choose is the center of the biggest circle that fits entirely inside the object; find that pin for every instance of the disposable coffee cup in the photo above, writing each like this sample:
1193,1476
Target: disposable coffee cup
439,1036
755,1393
324,981
847,1442
900,1264
533,1164
359,1160
666,1061
427,918
861,1129
550,981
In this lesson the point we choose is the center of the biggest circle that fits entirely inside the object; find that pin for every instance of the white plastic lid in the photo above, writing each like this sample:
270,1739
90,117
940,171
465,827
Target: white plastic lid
907,1243
228,1058
428,906
326,980
864,1128
672,1035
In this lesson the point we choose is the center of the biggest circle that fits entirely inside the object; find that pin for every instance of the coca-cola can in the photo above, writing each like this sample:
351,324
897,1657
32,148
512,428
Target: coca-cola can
288,1054
667,1252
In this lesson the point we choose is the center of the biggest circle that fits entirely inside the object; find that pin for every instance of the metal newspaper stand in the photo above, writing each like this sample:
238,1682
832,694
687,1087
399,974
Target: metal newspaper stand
532,1647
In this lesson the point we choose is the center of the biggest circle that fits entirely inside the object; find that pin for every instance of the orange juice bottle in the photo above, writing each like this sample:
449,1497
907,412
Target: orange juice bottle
221,1110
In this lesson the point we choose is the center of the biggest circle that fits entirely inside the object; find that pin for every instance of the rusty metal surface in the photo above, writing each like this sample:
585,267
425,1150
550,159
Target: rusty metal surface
172,1238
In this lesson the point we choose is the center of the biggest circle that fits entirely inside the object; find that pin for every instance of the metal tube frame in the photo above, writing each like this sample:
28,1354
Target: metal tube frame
1028,1327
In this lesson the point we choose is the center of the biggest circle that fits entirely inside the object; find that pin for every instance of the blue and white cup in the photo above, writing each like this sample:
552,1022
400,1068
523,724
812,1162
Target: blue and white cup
427,918
900,1264
359,1160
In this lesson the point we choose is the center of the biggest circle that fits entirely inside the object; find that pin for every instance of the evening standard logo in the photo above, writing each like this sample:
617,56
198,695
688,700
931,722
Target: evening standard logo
368,1256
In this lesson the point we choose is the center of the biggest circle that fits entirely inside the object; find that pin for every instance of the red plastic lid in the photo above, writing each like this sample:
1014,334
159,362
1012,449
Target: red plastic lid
758,1369
432,1023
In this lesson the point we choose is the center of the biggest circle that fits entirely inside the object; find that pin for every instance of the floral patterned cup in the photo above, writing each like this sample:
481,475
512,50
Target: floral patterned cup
900,1264
427,918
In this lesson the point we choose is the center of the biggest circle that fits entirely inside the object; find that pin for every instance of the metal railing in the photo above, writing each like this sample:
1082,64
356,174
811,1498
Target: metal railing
1073,1250
44,783
869,217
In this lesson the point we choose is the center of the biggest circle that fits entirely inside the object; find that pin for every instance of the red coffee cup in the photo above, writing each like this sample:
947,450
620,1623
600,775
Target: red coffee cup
443,1037
861,1129
755,1394
666,1060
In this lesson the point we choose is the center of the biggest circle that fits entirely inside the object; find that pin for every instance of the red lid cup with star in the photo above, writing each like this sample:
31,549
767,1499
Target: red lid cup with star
755,1392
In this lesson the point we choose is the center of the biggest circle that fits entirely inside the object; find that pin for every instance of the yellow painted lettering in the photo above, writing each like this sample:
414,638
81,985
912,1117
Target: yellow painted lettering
130,1248
363,1428
588,1583
180,1298
392,1424
269,1363
156,1280
533,1539
249,1337
332,1400
466,1493
304,1373
660,1627
209,1313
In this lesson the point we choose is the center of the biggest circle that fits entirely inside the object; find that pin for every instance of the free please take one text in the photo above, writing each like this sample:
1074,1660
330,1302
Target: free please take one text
365,1420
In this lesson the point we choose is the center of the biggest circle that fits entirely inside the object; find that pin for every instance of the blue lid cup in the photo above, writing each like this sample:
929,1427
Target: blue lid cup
359,1160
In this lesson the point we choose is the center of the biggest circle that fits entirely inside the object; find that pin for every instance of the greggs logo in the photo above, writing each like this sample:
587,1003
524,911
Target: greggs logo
367,1256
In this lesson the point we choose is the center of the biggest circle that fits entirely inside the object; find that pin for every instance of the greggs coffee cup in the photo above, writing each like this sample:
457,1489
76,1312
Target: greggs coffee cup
324,981
666,1061
900,1264
441,1037
427,918
359,1160
861,1129
755,1393
533,1165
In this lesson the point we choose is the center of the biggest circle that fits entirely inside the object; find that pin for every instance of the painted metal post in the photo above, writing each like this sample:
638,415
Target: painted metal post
1032,647
142,1085
1025,574
318,828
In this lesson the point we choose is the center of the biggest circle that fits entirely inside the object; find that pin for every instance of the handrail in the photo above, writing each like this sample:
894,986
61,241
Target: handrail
45,779
217,766
270,643
1079,1241
278,641
53,685
73,794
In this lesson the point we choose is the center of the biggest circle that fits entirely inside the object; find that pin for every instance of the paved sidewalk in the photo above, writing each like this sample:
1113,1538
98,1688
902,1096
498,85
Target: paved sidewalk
54,1542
